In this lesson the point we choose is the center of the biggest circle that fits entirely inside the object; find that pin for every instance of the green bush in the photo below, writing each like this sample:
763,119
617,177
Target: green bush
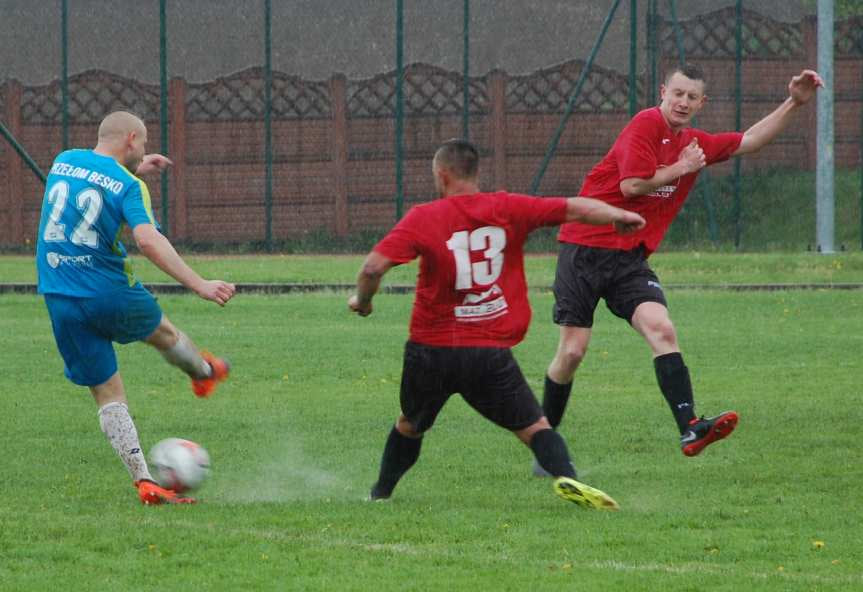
777,213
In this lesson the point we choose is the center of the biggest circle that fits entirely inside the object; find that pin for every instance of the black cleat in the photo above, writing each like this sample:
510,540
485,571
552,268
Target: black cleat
706,430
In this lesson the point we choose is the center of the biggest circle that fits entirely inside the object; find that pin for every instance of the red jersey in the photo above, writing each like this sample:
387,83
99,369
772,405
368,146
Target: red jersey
471,290
645,145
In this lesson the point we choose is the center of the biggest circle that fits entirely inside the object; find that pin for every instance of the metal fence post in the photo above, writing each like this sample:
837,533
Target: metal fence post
400,114
652,50
268,123
465,115
570,105
64,76
678,34
738,100
825,227
860,135
633,56
163,108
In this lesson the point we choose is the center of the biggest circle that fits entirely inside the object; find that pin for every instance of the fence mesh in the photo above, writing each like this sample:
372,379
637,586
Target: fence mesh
334,155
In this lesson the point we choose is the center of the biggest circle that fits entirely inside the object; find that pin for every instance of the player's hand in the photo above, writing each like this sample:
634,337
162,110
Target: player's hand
217,291
692,158
803,86
152,163
356,306
629,222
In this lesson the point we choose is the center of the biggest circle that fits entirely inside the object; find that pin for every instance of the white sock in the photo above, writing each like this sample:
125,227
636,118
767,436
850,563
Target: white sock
185,356
120,430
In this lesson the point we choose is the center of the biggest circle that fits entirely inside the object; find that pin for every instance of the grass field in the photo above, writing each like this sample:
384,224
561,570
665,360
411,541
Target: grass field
296,434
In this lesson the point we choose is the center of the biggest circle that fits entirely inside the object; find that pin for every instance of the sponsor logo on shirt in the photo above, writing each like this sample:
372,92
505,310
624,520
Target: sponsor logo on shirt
653,284
68,170
664,192
55,260
474,309
482,312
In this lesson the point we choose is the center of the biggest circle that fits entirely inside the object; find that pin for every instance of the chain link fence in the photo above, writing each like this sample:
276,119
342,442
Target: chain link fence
266,157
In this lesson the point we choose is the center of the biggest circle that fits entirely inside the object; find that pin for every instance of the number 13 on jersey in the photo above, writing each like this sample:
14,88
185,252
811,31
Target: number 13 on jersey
491,240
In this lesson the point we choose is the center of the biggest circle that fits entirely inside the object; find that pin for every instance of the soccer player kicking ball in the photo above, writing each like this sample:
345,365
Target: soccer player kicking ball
471,307
650,169
92,296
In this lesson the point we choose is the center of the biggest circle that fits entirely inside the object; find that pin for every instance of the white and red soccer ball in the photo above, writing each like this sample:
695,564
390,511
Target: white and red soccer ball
179,465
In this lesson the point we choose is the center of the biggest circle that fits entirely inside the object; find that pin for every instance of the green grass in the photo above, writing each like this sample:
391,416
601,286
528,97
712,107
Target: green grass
708,268
296,434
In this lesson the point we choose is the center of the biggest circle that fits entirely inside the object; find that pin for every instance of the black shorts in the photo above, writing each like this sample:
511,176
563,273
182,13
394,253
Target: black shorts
488,378
586,274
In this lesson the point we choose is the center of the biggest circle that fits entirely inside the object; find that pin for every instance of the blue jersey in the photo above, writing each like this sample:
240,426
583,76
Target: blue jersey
89,199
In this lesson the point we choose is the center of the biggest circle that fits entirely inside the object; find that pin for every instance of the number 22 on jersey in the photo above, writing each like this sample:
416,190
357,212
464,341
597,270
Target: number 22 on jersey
491,240
88,202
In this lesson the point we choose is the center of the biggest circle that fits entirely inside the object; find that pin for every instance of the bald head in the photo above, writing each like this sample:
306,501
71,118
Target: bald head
119,124
123,136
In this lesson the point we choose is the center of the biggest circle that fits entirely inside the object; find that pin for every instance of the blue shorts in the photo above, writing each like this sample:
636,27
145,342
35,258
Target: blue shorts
84,329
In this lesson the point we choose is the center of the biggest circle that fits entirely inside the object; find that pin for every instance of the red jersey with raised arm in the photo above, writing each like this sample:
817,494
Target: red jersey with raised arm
645,145
471,290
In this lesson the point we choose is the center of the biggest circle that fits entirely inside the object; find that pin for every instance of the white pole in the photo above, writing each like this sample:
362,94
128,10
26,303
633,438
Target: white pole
825,198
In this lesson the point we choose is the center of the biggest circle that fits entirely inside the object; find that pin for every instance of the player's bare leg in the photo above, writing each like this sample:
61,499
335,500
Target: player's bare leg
205,369
651,320
571,349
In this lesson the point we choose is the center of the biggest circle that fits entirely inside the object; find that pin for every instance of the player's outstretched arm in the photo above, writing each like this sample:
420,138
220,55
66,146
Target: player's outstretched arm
801,89
593,211
161,252
368,282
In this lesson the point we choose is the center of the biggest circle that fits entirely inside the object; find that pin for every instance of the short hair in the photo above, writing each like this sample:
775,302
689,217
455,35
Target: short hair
691,71
458,156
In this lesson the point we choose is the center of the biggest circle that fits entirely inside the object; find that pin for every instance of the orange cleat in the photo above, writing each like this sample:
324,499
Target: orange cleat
151,494
220,368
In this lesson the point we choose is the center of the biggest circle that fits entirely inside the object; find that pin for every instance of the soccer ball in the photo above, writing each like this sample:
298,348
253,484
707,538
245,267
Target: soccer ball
179,465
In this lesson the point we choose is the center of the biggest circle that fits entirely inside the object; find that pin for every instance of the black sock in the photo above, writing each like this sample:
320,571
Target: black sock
400,453
554,399
551,453
673,378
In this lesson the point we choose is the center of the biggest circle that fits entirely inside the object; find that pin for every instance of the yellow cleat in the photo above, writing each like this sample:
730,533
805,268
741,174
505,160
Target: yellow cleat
583,495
